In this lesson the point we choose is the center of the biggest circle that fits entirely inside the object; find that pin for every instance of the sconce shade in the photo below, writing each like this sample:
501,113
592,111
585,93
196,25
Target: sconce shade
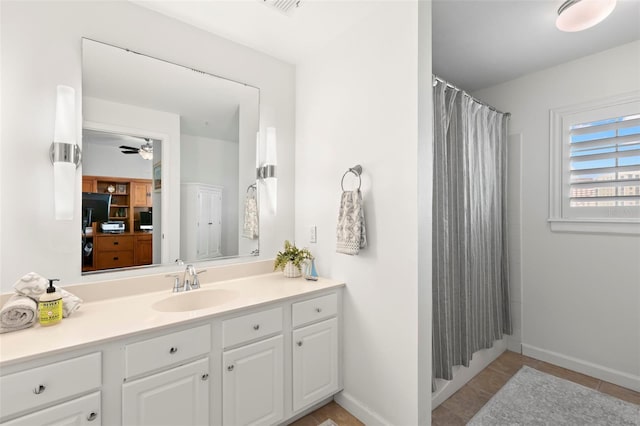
65,126
578,15
267,165
65,154
271,156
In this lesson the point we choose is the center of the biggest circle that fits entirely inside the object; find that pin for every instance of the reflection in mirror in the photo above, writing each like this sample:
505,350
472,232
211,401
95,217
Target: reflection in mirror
173,151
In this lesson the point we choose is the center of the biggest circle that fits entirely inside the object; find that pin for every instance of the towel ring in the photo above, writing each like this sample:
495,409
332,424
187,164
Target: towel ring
356,170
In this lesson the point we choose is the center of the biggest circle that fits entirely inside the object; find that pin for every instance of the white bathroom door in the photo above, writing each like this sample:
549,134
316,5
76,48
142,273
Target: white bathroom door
209,223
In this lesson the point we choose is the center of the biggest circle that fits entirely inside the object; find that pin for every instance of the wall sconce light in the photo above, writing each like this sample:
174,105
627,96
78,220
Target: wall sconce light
266,167
578,15
65,153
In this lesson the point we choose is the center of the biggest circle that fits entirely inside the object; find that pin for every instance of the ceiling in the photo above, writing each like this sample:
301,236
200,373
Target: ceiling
476,43
208,106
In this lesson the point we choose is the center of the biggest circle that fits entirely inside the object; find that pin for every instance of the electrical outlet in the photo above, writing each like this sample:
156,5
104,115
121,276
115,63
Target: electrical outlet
313,235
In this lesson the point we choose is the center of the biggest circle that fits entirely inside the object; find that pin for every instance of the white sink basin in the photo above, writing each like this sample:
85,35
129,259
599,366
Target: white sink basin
194,300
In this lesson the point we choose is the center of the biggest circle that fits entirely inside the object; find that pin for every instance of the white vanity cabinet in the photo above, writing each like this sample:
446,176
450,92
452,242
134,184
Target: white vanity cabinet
263,362
253,373
46,393
83,411
315,369
177,395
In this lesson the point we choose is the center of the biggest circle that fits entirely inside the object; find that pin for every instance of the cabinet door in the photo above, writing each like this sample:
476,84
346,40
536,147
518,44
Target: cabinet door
141,193
252,384
143,253
209,224
78,412
315,362
89,185
179,396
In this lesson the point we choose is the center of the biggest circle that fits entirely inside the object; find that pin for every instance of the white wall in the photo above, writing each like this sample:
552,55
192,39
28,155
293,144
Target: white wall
106,160
41,47
580,292
357,103
215,162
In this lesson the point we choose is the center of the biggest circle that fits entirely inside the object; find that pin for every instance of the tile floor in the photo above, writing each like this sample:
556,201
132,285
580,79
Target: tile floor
332,411
463,404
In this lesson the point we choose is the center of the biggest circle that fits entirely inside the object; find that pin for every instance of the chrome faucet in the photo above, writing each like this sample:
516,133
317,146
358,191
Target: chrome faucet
190,280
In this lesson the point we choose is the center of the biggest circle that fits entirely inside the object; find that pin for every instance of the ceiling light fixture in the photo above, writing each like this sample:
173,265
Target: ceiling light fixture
578,15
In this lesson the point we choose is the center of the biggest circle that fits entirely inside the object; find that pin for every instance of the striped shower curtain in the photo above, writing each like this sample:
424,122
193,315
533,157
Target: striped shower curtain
470,264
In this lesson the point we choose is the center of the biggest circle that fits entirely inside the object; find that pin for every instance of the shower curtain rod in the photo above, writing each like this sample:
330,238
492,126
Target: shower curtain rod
476,100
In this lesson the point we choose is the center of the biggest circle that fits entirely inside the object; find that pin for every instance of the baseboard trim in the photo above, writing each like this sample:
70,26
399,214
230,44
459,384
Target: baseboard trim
361,411
619,378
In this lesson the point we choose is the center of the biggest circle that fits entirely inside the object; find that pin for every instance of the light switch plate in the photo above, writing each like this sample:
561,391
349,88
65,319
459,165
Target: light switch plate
313,235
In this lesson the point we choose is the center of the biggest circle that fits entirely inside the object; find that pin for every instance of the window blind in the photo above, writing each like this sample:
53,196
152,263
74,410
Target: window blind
604,158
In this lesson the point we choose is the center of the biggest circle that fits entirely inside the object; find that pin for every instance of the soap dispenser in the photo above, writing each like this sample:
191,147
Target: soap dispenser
311,274
50,306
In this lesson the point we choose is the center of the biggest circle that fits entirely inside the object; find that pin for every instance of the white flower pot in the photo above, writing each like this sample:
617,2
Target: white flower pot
291,271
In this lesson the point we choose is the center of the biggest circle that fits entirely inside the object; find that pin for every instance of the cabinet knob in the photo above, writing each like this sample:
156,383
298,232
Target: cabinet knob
230,367
205,376
318,310
299,343
256,327
92,416
39,389
173,350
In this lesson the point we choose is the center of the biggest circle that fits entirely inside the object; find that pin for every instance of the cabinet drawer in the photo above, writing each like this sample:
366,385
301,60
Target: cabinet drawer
314,309
114,259
250,327
81,411
32,388
152,354
114,242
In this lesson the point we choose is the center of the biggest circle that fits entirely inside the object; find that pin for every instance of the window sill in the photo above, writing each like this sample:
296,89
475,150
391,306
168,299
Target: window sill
596,226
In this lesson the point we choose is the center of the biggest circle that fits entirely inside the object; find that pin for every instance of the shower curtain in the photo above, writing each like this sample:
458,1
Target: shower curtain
470,264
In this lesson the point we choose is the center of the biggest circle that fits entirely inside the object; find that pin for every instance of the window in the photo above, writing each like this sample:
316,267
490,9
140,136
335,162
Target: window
595,167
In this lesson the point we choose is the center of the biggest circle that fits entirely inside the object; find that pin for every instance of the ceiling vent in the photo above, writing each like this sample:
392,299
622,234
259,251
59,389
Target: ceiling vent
282,6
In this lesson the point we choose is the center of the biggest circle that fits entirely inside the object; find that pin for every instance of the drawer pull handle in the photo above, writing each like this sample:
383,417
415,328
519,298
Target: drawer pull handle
115,257
92,416
205,377
318,310
256,327
115,243
230,368
299,343
39,389
173,350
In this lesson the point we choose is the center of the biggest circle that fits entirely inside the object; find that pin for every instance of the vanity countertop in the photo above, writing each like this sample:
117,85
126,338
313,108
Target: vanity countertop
114,318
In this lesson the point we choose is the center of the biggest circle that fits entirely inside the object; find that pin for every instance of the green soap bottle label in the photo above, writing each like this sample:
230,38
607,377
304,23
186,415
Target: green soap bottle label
50,312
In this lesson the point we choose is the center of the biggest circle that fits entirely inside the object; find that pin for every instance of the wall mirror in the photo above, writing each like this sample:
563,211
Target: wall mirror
169,157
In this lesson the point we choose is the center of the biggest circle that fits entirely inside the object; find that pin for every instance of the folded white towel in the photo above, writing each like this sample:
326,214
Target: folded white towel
19,312
33,285
250,226
351,231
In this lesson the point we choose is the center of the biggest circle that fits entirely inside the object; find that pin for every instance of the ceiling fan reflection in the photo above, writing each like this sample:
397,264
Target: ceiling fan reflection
145,150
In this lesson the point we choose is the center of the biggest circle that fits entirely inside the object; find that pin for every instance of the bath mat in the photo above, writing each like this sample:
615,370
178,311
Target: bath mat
328,422
532,397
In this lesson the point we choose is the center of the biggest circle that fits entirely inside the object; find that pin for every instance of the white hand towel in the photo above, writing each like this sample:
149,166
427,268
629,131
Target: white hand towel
351,231
33,285
250,226
19,312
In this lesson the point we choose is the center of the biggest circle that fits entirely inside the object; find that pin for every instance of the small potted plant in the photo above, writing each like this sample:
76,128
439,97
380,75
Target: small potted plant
291,259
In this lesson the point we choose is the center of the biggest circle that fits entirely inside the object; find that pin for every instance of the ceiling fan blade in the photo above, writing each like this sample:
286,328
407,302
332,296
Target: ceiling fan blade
128,147
129,152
